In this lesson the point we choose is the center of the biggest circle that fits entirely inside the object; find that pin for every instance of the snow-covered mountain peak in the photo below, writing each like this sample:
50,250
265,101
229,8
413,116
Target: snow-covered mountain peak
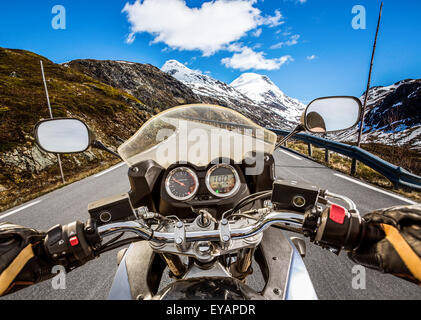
181,72
251,92
257,87
262,90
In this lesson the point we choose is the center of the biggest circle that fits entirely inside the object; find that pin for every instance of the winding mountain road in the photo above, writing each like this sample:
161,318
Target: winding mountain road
331,275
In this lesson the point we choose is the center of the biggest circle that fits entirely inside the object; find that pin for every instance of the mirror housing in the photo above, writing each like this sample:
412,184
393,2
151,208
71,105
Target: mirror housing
332,114
63,136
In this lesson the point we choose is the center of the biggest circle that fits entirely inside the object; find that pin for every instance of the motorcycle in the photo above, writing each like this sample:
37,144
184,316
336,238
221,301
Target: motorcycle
204,204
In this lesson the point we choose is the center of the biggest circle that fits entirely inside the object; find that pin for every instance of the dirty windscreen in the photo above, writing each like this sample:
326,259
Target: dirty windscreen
196,134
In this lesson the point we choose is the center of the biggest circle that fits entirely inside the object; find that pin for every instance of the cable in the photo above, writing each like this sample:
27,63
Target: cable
246,202
240,204
118,244
114,239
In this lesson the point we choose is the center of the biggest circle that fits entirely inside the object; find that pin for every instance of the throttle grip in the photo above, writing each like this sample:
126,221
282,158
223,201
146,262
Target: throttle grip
338,229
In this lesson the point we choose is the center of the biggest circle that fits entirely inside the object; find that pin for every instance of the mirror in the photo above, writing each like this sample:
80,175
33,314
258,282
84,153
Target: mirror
63,136
332,114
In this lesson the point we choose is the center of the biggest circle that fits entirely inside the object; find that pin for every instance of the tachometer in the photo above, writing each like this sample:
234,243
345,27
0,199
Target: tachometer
182,184
222,180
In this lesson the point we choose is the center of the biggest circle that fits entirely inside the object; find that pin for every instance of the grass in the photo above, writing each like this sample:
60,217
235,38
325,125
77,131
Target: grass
343,165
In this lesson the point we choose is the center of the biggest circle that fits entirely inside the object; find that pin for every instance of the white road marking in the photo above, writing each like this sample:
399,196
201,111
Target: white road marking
109,170
375,189
19,209
291,155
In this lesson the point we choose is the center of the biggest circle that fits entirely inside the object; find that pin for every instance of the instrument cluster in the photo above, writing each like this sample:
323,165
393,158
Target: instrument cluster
221,181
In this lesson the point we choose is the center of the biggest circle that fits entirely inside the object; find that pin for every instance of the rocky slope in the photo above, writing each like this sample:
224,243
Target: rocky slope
145,82
393,116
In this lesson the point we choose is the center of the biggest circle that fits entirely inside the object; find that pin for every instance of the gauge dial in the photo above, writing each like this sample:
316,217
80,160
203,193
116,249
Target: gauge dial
182,184
222,180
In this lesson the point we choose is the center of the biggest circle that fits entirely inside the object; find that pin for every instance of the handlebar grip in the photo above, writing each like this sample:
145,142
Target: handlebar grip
339,229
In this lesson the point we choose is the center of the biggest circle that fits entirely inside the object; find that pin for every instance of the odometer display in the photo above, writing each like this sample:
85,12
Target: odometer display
222,180
182,184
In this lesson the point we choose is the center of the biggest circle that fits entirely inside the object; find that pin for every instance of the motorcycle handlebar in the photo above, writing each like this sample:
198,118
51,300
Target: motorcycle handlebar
76,243
292,219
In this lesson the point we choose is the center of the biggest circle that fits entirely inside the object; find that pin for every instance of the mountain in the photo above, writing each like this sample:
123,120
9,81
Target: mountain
253,95
264,92
205,85
145,82
393,116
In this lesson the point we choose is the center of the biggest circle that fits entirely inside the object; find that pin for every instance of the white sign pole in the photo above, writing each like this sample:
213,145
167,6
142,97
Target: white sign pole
51,116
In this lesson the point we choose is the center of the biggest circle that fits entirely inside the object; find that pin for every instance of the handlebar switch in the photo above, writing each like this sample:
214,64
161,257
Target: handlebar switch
67,245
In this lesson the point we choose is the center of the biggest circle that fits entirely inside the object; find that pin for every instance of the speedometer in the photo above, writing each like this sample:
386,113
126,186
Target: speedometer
222,180
182,184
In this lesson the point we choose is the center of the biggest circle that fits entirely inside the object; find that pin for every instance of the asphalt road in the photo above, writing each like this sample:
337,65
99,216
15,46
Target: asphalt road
331,275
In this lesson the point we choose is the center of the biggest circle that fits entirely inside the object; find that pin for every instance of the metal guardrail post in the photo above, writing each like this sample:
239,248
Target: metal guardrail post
310,150
354,167
327,156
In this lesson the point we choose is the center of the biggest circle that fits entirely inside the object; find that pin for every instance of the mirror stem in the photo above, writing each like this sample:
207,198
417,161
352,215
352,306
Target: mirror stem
298,129
99,145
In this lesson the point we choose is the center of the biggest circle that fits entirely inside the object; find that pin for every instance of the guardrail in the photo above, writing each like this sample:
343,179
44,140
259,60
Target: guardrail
396,175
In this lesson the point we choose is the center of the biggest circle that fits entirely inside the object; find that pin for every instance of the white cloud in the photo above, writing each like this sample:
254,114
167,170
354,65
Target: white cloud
245,59
208,28
291,42
312,57
257,33
274,21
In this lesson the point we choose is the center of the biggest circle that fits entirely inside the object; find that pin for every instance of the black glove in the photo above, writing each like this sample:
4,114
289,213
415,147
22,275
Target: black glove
27,256
23,261
399,252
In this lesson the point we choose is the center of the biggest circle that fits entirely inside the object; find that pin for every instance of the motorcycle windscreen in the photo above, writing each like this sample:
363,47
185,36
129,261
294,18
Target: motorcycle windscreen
199,135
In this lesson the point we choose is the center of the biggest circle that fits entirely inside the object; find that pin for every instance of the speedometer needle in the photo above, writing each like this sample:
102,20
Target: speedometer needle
180,183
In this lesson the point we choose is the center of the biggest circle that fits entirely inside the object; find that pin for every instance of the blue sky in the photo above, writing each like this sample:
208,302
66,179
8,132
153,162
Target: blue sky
307,47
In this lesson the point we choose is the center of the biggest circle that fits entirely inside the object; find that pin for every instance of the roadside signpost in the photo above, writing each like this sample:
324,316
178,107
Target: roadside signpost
51,116
354,162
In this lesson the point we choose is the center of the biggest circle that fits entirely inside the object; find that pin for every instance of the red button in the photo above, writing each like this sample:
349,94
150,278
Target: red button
337,213
74,241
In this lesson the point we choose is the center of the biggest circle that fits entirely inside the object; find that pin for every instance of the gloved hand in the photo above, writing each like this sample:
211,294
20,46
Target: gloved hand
399,252
23,261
